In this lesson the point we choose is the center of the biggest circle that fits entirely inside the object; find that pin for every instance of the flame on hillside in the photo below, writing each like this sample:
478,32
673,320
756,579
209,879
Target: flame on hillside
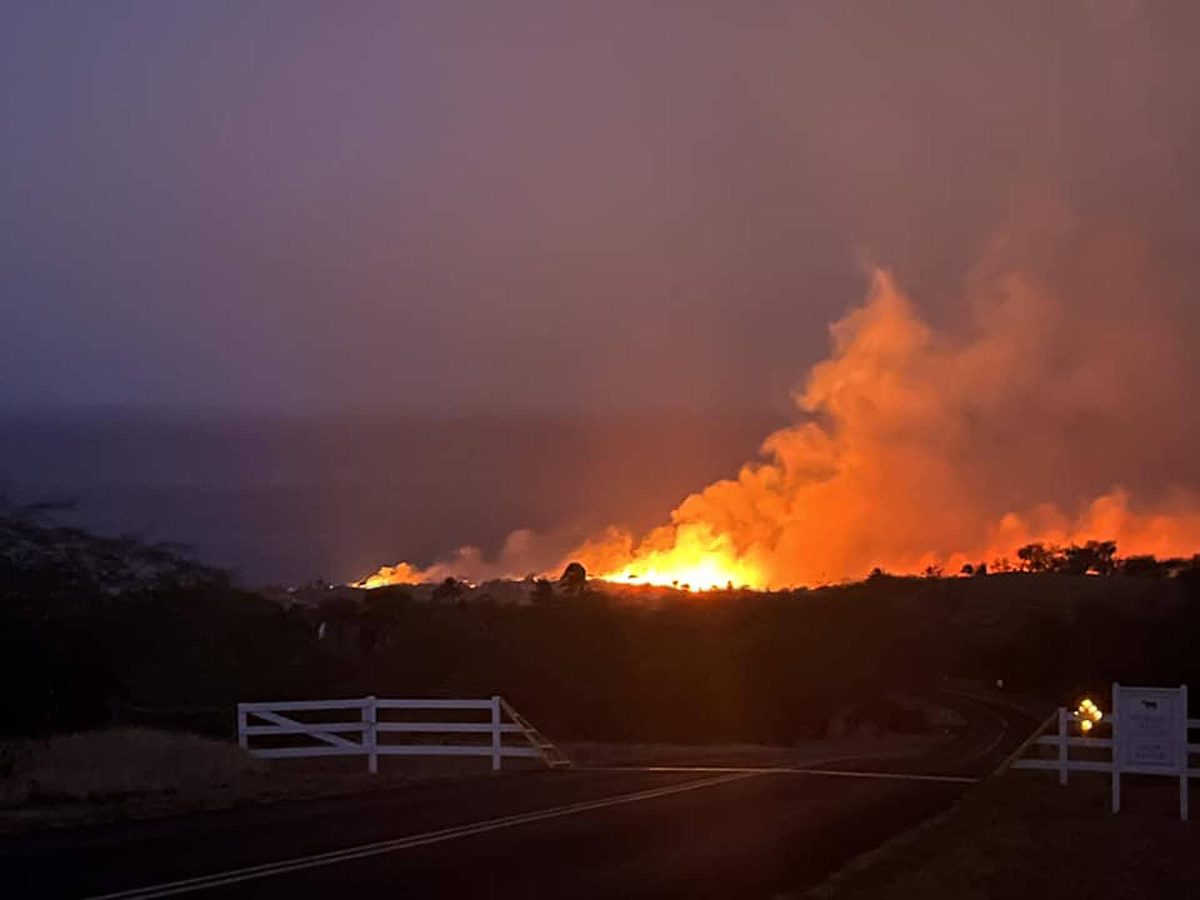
891,465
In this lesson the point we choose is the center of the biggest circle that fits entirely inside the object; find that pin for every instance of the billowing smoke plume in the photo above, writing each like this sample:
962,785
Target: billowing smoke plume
914,447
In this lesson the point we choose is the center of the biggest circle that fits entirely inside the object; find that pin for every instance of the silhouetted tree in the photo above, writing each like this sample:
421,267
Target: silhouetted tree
1142,566
448,591
573,580
1038,557
1094,557
384,608
543,591
50,564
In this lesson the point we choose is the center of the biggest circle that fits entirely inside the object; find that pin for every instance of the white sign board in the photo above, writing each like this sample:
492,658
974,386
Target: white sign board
1151,731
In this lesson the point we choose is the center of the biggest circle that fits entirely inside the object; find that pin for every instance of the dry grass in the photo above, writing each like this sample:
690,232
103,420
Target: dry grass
1022,836
123,773
100,766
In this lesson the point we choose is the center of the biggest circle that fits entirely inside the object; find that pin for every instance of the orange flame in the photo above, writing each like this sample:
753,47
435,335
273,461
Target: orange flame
697,559
893,464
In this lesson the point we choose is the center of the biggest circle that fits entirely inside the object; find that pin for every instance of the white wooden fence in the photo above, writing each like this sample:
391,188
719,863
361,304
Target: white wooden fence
1068,735
360,728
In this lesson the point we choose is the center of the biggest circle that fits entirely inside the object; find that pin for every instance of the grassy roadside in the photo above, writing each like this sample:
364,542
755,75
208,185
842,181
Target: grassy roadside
134,773
1022,836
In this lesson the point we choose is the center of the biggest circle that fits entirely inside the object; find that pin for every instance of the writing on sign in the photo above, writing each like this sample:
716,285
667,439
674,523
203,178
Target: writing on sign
1151,734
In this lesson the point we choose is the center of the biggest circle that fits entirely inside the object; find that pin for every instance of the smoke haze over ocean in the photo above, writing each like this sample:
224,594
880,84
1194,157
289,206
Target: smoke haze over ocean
292,500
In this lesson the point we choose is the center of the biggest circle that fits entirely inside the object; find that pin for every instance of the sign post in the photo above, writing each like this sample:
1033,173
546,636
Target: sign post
1150,737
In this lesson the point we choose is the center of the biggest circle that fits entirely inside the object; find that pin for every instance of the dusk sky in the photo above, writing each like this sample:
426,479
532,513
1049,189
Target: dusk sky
482,207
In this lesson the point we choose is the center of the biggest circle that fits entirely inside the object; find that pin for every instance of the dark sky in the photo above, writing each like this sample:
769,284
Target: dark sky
428,206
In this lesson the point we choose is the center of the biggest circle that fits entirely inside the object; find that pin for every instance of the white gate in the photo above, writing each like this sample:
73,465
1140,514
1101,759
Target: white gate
361,727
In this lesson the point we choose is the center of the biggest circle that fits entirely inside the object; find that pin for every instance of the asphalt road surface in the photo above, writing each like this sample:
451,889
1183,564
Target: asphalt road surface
660,832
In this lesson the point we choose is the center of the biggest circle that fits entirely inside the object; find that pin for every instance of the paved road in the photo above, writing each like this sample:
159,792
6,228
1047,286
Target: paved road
705,832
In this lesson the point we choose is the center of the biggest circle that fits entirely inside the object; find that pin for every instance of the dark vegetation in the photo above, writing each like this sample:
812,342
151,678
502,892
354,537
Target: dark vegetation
1017,837
97,631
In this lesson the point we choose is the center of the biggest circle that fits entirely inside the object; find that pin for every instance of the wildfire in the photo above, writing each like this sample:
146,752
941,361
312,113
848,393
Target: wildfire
696,562
908,448
702,575
401,573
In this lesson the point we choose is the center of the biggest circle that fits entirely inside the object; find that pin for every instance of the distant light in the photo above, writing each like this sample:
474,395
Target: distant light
1088,714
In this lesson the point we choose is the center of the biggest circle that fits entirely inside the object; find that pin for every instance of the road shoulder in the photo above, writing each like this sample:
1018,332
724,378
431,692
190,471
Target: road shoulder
1022,835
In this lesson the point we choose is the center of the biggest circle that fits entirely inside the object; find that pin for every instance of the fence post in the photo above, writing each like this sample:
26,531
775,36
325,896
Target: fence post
243,738
1062,745
1183,797
495,733
1186,764
368,717
1116,749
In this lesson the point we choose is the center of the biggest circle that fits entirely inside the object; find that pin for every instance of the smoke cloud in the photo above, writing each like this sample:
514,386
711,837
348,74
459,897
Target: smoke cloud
920,447
447,209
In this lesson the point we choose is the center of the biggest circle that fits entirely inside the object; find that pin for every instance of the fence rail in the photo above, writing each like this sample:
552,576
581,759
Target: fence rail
361,736
1063,741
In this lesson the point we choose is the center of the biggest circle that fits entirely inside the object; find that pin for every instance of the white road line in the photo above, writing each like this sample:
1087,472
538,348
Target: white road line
783,770
233,876
985,751
1003,733
981,703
